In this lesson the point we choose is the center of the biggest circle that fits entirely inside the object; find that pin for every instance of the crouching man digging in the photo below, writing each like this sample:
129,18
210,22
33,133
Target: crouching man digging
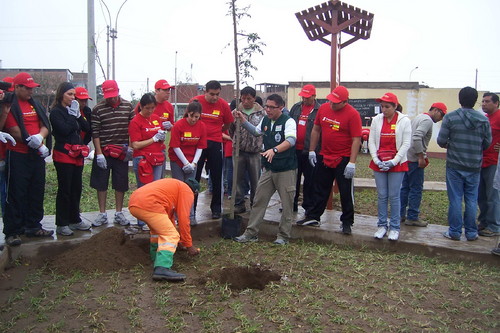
155,204
280,163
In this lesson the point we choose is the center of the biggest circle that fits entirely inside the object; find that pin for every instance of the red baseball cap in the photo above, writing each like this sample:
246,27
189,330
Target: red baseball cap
110,89
440,106
11,81
25,79
389,98
82,93
163,84
338,95
307,91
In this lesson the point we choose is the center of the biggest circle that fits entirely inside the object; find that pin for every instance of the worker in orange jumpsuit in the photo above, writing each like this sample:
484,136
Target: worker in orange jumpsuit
155,204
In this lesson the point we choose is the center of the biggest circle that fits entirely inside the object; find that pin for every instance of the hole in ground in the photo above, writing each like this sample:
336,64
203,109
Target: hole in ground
252,277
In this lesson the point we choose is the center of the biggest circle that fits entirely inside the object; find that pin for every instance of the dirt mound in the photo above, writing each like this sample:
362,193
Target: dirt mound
108,251
239,278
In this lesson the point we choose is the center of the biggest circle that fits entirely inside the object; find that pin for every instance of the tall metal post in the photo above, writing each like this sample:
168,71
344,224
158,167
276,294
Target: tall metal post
91,51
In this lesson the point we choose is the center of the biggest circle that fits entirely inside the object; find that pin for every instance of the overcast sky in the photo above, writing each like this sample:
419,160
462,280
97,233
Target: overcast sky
447,39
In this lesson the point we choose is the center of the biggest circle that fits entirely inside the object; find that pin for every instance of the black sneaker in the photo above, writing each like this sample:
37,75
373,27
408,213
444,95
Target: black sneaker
308,221
346,228
166,274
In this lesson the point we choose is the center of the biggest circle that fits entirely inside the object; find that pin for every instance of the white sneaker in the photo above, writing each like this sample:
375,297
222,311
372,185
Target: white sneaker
101,219
64,231
393,235
121,219
80,226
380,233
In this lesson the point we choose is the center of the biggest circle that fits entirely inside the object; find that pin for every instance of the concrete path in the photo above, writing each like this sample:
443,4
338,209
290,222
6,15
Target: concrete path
425,241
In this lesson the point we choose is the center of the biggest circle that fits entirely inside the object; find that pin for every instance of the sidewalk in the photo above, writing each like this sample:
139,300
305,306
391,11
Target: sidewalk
425,241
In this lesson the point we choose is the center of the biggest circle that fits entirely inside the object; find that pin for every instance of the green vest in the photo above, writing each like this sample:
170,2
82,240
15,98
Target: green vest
274,135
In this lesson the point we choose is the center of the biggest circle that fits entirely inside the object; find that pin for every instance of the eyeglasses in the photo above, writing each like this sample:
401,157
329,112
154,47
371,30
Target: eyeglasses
271,107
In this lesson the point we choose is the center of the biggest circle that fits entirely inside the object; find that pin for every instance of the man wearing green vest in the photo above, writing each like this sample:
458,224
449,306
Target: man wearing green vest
279,133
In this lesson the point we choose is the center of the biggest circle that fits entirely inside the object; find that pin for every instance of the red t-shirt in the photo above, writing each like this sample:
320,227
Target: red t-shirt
165,111
228,146
338,128
490,156
3,148
188,138
302,126
214,116
31,123
388,143
140,129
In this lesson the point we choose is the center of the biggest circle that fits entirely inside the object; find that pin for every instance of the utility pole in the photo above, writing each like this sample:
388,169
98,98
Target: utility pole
175,90
113,33
91,51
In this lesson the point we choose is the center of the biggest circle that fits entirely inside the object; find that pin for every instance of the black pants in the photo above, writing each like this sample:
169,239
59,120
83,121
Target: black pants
306,169
213,156
322,186
69,192
25,192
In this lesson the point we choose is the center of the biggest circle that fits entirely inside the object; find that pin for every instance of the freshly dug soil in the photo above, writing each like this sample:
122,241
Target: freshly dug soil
108,251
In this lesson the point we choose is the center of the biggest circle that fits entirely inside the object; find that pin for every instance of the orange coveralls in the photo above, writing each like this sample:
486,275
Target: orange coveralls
155,204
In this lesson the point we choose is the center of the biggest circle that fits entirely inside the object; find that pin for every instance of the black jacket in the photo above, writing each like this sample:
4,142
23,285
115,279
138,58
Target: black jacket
66,128
295,112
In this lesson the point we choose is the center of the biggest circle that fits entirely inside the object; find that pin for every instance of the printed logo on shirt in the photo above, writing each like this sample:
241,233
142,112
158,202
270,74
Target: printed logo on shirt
393,127
30,114
153,129
165,114
216,112
188,134
278,128
334,124
210,115
155,122
303,120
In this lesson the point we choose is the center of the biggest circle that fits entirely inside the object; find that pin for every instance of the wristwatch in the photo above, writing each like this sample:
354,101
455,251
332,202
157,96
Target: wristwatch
275,150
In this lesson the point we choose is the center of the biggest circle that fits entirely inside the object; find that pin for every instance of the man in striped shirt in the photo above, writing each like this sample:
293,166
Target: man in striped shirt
465,133
110,120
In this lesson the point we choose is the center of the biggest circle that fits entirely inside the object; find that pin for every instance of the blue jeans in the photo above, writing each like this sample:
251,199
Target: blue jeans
488,200
462,184
388,189
411,191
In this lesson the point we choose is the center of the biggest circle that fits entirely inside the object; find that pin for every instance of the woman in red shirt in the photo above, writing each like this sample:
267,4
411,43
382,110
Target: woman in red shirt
188,139
390,138
147,139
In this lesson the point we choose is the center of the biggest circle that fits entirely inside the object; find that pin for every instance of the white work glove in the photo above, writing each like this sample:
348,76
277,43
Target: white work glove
389,165
349,170
35,141
167,125
188,168
74,109
160,136
101,161
129,155
44,151
6,136
312,158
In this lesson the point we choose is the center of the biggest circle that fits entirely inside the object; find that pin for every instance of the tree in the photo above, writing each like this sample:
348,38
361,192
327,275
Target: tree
243,65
